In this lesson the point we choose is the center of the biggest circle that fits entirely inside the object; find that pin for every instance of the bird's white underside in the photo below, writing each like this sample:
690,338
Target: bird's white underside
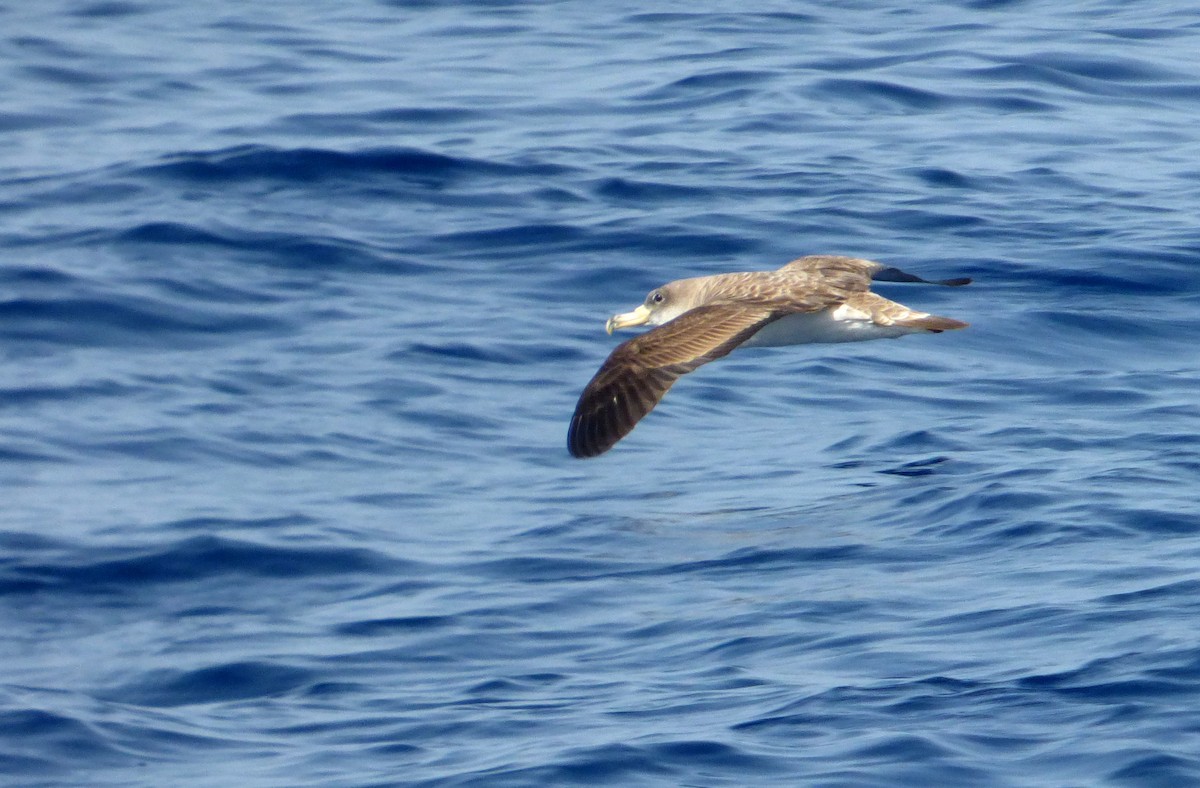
841,324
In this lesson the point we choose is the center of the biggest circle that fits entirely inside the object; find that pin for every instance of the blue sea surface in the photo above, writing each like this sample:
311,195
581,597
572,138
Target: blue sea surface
296,300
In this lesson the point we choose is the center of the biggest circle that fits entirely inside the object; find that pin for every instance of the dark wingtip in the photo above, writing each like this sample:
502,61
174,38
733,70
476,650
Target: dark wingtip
579,448
588,435
890,274
575,443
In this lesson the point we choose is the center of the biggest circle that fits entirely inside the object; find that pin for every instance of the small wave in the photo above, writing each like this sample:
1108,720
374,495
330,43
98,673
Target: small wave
720,80
626,764
1110,68
307,165
28,121
120,569
716,22
110,9
391,626
277,249
649,192
364,122
122,320
59,740
875,91
231,681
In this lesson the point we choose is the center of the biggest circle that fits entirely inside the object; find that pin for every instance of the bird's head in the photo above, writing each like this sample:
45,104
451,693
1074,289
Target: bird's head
662,304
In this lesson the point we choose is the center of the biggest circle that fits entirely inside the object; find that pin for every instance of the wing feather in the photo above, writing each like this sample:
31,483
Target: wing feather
639,372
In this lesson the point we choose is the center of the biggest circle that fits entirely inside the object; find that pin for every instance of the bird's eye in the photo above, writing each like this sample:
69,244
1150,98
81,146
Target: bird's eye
658,298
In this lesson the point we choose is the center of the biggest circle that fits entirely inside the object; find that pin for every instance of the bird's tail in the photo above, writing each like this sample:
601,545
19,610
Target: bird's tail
934,324
884,312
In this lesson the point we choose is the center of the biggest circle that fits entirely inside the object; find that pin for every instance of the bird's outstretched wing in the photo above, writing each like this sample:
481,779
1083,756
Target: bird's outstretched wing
639,372
856,273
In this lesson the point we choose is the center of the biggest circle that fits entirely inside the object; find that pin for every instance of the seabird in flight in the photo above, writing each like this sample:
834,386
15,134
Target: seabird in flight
820,298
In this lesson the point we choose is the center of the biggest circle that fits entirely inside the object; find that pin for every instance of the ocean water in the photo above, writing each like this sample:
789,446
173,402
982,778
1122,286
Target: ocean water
296,300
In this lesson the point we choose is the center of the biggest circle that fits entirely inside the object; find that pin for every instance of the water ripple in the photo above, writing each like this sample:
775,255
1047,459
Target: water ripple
294,310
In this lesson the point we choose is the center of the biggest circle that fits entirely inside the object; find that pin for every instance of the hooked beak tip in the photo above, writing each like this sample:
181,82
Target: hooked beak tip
637,317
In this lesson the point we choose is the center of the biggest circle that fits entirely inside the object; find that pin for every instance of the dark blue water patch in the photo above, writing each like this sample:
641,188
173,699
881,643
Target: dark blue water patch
939,176
509,353
36,767
518,238
1164,674
1135,278
901,748
1097,392
1120,690
1132,82
812,715
451,420
610,764
998,620
543,569
206,525
768,560
925,220
991,5
533,242
1013,103
1103,327
102,190
1113,68
29,121
36,395
718,22
276,249
879,94
425,5
110,10
250,447
645,192
674,98
314,165
920,440
708,754
231,681
1160,522
1146,33
1184,592
923,467
23,542
719,80
529,686
125,320
215,292
70,77
860,63
481,31
56,738
360,122
36,276
386,627
746,647
51,47
1157,769
118,570
19,456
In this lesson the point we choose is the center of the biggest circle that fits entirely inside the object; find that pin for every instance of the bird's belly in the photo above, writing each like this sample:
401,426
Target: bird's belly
823,326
